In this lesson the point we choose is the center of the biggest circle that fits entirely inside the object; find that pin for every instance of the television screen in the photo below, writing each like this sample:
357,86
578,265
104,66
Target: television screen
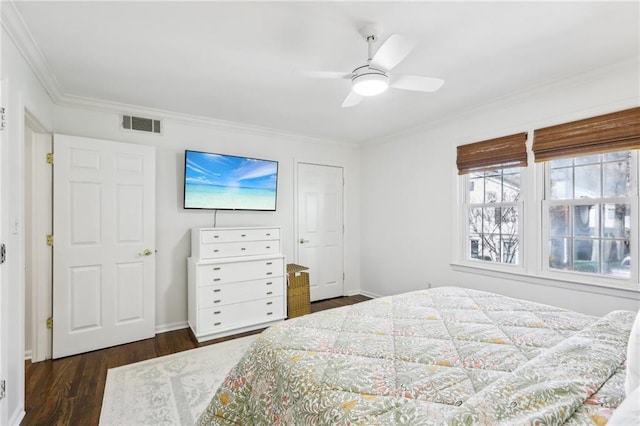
229,182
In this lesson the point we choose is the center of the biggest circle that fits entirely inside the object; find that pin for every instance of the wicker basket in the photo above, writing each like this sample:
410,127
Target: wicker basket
298,299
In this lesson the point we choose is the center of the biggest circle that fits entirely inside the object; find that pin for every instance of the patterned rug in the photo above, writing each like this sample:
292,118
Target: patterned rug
170,390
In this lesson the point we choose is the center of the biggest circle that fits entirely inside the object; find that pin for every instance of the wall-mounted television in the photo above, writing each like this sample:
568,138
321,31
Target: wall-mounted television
229,182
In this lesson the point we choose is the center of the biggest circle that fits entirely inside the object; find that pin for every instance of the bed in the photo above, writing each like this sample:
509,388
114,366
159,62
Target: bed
447,355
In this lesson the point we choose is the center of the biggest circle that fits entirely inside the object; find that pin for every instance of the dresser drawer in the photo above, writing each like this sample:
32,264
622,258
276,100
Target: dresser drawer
245,248
232,235
227,294
239,314
222,273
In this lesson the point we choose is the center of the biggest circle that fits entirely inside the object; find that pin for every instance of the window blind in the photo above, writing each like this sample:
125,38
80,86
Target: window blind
610,132
506,151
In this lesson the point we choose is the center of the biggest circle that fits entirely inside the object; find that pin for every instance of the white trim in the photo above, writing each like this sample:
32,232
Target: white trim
19,33
172,327
454,116
41,255
582,286
370,294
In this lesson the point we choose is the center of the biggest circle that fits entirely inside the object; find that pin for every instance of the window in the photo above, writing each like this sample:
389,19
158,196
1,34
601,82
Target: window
588,209
581,208
492,211
492,203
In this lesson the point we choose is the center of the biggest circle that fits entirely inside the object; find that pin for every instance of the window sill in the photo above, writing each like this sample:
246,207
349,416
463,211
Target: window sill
631,291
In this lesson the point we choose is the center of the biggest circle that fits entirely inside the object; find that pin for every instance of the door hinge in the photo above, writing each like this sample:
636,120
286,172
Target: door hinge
3,253
3,118
50,158
3,388
50,322
50,240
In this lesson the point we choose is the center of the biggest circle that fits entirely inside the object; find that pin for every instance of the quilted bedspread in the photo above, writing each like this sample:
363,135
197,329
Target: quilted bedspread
445,356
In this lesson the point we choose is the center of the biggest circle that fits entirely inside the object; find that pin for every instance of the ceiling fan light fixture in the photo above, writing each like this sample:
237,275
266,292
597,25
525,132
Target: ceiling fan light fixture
370,84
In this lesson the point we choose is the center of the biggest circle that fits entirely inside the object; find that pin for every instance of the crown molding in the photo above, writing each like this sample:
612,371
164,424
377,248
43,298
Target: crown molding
631,65
22,38
86,103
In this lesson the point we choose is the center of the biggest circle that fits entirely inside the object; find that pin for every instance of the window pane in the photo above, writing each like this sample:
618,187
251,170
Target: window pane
511,187
587,184
561,162
510,251
586,221
586,255
617,178
615,156
509,222
493,189
616,220
561,184
588,159
559,223
559,249
476,189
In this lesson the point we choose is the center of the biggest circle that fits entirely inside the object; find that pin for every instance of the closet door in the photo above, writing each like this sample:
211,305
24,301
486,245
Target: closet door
320,228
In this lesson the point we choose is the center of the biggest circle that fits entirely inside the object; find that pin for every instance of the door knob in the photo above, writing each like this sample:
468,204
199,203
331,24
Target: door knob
147,252
302,241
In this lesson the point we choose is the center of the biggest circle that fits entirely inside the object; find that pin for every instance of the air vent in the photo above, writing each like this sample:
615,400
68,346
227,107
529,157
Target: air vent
141,124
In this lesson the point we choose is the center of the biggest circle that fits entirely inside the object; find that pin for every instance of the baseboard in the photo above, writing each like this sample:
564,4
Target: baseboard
18,416
369,294
28,355
171,327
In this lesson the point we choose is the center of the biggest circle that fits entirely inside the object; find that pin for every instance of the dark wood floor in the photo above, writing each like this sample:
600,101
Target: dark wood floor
69,391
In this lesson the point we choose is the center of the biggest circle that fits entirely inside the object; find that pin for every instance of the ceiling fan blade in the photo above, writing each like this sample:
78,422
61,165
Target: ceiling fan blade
351,100
328,74
416,82
392,52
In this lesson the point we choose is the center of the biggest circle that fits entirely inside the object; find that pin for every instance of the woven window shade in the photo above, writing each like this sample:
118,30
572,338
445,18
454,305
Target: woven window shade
507,151
617,131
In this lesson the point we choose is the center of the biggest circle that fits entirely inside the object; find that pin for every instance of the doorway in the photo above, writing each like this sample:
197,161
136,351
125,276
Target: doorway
38,255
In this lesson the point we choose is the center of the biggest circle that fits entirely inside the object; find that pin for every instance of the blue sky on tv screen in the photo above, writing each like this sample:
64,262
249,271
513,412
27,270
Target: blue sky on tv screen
229,171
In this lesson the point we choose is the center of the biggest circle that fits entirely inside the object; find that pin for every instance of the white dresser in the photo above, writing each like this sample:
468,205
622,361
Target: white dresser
236,280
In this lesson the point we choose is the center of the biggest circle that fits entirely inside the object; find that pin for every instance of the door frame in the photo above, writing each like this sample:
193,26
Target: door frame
41,301
296,230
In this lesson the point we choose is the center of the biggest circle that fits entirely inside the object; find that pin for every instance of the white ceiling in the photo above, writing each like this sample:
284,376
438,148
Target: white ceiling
245,62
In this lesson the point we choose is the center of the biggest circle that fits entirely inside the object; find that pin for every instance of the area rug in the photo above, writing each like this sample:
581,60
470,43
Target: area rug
170,390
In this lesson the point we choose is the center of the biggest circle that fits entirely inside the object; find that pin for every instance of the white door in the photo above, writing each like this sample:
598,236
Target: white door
320,228
104,239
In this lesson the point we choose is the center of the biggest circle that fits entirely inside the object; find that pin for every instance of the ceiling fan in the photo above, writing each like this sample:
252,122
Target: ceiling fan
374,77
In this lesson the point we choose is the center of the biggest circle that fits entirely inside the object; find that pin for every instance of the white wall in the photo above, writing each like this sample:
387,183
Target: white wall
409,188
21,91
174,223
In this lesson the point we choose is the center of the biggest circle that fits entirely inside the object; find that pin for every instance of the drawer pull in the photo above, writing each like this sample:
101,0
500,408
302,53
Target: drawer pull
216,236
216,290
217,323
268,247
216,301
217,268
242,249
269,263
216,279
216,250
217,313
243,235
269,273
268,234
269,292
269,303
269,283
269,313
